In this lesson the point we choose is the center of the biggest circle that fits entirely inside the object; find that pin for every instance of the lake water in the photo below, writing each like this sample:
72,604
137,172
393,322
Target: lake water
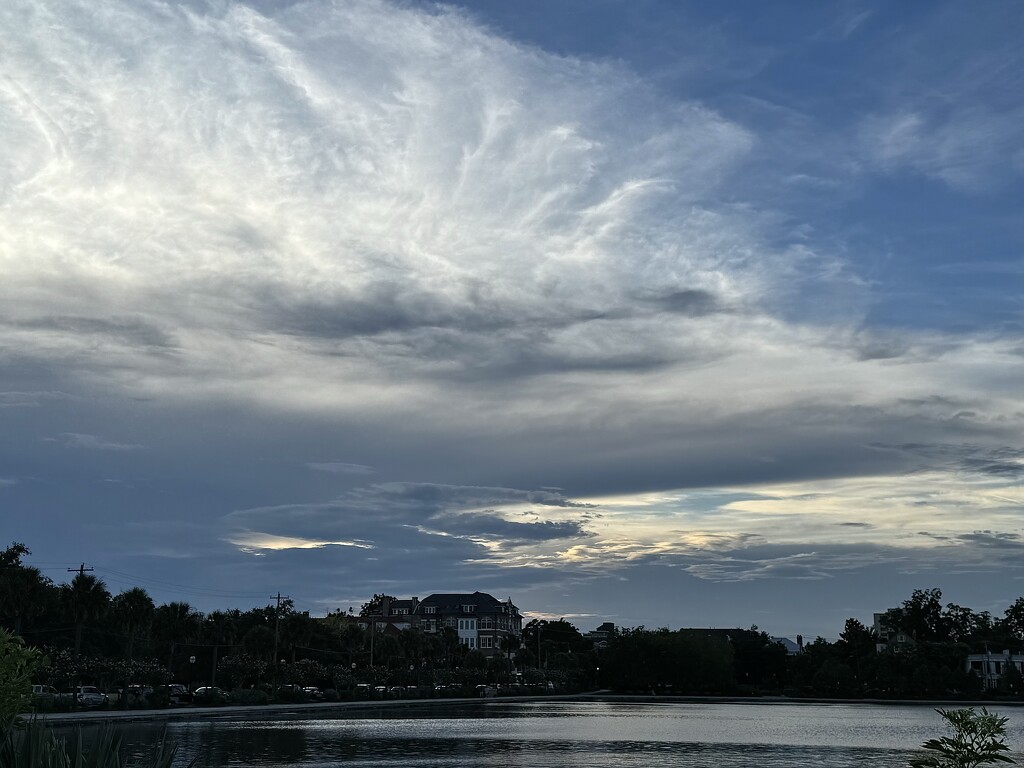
554,734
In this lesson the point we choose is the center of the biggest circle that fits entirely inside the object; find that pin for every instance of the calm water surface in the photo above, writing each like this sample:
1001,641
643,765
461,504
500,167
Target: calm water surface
593,734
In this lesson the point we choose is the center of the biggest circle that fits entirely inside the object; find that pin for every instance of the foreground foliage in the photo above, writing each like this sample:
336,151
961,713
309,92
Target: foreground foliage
978,739
17,665
34,745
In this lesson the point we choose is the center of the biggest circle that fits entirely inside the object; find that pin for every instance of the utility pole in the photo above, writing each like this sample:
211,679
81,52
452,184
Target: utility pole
80,570
277,627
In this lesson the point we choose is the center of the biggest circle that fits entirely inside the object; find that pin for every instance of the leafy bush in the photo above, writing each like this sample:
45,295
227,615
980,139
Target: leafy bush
289,695
17,663
978,739
159,698
331,695
249,696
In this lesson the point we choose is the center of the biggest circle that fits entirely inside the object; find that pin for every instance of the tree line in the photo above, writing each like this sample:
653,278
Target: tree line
92,636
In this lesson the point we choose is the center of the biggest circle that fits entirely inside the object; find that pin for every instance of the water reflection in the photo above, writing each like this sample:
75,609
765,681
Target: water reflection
557,734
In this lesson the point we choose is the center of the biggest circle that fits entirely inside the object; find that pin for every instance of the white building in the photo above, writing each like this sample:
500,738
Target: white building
991,667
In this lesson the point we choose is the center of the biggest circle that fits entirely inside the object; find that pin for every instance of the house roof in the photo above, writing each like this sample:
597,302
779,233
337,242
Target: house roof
453,601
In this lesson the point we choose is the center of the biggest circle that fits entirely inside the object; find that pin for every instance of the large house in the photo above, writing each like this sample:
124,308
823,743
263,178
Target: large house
480,620
991,667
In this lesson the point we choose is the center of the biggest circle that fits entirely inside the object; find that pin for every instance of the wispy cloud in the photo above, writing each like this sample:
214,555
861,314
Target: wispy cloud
972,150
254,541
93,442
340,468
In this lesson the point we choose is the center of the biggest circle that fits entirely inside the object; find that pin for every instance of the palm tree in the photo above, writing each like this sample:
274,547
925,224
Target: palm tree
175,623
24,591
134,610
23,594
259,642
297,631
509,644
220,628
85,599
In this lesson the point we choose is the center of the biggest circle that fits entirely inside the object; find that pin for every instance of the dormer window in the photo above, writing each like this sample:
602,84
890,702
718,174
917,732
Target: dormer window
468,608
430,609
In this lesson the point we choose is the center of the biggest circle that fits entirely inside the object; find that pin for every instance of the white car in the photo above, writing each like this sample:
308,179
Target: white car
88,696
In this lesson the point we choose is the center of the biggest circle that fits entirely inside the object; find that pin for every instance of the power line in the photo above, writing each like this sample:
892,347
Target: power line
203,591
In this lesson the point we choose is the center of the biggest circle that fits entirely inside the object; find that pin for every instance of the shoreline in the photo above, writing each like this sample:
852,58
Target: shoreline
242,711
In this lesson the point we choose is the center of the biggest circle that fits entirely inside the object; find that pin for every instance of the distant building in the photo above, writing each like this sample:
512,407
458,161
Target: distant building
600,636
480,620
392,617
889,639
991,667
791,648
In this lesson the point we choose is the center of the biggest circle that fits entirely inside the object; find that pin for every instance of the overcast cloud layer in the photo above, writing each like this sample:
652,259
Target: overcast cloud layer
340,298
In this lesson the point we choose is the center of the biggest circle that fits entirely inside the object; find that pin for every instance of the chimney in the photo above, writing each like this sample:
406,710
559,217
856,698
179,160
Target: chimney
800,642
385,606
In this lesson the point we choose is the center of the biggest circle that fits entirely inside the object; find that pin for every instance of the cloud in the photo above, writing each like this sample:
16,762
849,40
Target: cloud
94,442
30,399
254,542
971,149
280,209
340,468
269,192
418,515
988,539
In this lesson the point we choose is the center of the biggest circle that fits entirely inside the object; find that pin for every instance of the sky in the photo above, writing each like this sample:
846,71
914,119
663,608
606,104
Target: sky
652,312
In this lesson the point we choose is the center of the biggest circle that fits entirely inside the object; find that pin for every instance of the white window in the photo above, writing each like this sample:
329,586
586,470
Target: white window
472,642
468,608
430,609
485,641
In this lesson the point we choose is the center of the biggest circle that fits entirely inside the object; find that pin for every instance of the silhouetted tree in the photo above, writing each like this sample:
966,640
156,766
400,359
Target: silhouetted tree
133,610
373,606
920,616
1013,619
85,599
24,591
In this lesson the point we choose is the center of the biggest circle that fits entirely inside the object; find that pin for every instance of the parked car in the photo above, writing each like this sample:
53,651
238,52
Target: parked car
86,696
179,693
209,695
313,692
138,691
44,694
